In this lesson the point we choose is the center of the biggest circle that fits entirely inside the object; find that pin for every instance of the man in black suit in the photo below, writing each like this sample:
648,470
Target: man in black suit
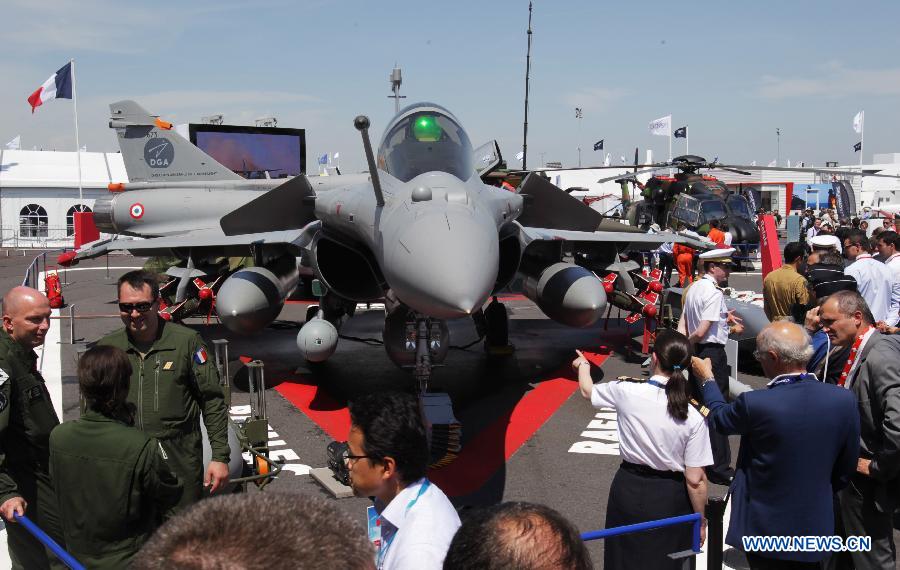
800,443
872,373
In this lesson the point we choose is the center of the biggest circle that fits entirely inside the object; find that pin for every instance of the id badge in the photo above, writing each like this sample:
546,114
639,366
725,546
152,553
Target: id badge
373,525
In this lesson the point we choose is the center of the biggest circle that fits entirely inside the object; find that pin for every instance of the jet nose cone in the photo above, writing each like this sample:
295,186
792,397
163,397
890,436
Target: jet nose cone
445,265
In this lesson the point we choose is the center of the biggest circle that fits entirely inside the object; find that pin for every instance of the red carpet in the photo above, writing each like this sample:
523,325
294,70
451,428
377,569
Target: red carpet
484,453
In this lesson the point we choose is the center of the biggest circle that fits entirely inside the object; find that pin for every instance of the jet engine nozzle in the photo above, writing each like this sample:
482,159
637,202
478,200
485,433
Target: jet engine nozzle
317,340
568,294
446,263
252,298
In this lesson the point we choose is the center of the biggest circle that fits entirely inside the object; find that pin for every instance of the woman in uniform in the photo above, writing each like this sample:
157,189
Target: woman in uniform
111,480
664,445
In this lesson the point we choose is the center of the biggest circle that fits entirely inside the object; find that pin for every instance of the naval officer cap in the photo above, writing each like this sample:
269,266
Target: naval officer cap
718,255
826,242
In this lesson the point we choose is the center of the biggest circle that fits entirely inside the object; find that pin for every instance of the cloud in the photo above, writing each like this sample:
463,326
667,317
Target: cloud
85,25
834,81
208,100
594,98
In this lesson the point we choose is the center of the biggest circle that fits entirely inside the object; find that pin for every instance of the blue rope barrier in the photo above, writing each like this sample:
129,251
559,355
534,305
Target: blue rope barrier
693,518
49,542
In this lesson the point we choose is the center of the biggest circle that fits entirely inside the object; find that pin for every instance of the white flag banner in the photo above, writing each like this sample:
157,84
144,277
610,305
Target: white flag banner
773,163
662,126
753,163
858,121
606,160
15,144
337,155
520,155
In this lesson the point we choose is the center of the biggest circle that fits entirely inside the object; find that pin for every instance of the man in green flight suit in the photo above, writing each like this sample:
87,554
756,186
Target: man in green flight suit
26,419
113,486
172,382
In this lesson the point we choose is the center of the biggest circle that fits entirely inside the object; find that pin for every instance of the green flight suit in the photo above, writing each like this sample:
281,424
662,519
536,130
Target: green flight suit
113,488
171,385
26,420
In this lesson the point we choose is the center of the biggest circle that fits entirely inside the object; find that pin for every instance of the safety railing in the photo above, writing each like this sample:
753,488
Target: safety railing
51,544
694,519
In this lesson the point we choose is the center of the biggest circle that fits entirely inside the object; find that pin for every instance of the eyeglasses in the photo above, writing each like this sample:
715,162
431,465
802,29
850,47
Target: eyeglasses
350,460
142,308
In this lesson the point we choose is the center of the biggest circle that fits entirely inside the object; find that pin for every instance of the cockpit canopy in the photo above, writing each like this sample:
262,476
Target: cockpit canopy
425,138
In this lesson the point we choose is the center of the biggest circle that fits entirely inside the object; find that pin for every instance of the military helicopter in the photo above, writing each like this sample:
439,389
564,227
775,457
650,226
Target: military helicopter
688,198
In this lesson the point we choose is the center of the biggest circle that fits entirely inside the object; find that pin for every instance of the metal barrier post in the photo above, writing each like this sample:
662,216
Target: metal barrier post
48,542
220,350
72,323
256,427
715,533
107,265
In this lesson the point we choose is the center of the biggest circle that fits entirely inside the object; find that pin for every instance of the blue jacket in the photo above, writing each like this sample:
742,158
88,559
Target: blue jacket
800,444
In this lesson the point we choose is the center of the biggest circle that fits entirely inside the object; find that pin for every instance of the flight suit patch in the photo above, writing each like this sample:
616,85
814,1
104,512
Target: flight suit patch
4,401
3,377
168,365
34,393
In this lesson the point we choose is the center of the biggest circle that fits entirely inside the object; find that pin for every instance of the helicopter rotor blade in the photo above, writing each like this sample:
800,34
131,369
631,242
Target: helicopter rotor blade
812,170
735,170
632,175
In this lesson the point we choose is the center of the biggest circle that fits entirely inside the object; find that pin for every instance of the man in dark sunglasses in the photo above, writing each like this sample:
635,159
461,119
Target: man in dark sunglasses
172,383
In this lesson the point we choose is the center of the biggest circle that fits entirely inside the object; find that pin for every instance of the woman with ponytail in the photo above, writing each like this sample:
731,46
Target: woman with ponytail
111,480
664,444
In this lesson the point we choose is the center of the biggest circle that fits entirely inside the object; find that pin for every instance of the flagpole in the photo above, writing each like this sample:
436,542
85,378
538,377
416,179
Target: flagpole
670,143
77,144
862,137
687,140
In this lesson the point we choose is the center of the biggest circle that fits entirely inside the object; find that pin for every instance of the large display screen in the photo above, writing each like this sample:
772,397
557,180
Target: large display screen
253,152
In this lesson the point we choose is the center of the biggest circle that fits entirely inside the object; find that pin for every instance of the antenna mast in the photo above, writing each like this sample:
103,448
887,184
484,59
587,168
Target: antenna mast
527,76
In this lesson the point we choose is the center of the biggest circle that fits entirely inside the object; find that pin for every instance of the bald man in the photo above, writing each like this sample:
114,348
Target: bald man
800,444
26,419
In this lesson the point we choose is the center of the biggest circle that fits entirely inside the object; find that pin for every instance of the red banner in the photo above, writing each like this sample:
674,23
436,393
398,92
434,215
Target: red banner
768,244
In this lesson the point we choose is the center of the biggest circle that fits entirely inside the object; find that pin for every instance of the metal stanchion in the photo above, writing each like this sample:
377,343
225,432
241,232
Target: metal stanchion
72,323
107,265
715,534
220,351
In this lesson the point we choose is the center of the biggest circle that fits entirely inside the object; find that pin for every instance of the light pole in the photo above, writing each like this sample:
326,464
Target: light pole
579,115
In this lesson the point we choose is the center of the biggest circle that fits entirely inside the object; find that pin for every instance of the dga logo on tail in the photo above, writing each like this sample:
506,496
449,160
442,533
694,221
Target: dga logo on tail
136,211
159,153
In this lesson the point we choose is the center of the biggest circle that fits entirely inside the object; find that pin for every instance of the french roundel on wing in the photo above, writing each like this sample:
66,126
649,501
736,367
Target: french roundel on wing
136,211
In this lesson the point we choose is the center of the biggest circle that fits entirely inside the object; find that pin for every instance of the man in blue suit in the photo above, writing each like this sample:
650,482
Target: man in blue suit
800,444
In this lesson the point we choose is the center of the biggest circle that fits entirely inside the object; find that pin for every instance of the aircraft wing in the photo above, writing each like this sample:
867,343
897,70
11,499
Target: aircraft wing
295,239
626,240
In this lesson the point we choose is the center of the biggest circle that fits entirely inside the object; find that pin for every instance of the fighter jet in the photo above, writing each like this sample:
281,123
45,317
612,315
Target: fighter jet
420,232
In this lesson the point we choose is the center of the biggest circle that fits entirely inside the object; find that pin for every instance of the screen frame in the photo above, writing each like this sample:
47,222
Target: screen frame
195,128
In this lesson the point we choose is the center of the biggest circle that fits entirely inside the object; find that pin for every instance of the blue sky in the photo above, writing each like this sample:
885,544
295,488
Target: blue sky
732,72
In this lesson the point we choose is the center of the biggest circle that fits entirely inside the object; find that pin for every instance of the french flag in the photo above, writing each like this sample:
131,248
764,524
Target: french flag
58,86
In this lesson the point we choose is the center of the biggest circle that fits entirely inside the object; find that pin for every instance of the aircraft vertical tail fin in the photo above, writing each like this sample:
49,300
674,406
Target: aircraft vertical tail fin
153,152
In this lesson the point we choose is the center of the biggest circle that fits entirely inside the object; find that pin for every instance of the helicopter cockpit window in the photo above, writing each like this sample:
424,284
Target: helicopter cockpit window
738,205
713,210
687,210
426,141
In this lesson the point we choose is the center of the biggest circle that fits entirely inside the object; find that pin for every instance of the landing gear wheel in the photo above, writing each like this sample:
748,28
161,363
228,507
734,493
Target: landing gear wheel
496,341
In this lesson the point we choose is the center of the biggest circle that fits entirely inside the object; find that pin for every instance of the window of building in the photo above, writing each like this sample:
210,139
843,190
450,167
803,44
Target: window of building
33,221
70,217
